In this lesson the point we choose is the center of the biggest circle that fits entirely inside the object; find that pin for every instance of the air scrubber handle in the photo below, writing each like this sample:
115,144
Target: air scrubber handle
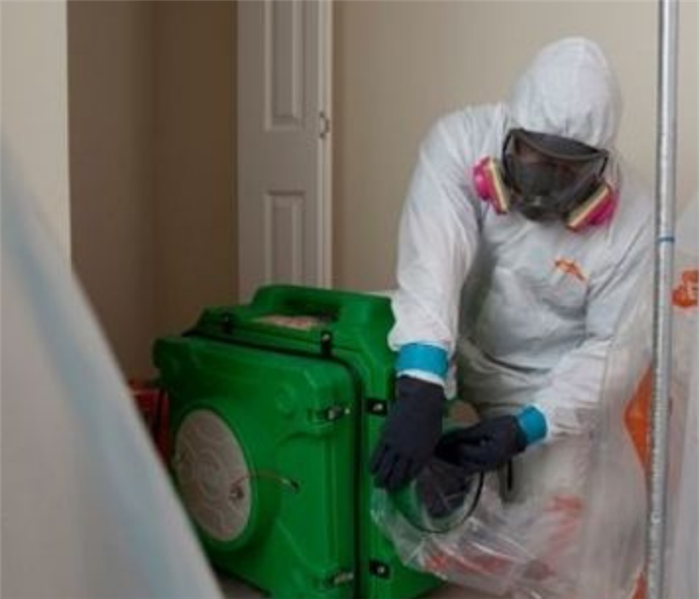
341,308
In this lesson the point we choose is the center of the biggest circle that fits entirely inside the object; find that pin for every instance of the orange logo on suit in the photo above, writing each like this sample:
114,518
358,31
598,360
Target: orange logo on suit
571,268
685,294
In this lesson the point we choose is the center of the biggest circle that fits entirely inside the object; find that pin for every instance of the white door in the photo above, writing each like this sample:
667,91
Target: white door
284,220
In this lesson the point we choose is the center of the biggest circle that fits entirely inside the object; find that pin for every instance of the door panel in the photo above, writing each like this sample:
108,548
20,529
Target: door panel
283,143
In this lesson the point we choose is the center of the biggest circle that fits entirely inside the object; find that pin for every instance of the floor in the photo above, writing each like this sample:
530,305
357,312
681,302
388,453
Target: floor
235,589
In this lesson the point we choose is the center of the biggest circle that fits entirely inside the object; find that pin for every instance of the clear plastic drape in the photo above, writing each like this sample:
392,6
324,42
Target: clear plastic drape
87,509
582,536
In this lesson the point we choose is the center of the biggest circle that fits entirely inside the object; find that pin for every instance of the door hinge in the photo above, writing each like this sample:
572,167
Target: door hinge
324,128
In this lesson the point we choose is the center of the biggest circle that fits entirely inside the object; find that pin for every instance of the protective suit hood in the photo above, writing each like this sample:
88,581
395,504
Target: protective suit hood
570,90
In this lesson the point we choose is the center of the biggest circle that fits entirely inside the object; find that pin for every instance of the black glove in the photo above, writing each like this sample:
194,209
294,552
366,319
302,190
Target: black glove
413,428
442,487
487,445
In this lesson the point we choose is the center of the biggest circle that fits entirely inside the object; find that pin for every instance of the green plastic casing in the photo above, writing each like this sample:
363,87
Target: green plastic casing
306,399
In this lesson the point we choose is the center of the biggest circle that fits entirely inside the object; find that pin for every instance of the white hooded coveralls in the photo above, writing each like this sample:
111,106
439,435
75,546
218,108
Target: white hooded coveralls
527,309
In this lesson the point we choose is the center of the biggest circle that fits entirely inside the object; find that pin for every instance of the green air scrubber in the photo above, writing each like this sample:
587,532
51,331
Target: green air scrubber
276,407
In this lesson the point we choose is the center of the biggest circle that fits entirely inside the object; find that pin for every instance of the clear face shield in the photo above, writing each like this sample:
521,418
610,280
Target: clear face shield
549,176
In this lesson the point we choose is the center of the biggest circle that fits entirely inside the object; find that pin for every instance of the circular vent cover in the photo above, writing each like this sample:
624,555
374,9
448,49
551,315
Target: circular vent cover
213,477
440,498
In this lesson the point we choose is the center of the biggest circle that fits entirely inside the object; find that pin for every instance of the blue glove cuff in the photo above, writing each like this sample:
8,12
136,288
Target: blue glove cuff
423,357
533,424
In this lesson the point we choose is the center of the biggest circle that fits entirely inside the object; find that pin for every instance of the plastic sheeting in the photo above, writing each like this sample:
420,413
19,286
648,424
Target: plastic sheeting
576,533
87,509
682,574
579,532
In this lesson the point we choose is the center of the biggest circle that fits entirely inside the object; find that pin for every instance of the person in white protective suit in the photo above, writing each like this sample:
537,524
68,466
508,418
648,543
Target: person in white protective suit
522,235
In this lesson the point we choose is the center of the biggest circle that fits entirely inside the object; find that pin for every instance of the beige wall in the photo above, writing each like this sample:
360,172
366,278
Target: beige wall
151,165
195,107
111,70
35,105
399,65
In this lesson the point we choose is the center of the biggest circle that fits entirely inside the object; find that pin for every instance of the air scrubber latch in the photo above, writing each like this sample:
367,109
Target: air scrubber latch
376,407
339,578
379,569
332,413
326,344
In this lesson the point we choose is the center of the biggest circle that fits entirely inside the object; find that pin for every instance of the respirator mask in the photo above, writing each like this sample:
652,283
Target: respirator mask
547,178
